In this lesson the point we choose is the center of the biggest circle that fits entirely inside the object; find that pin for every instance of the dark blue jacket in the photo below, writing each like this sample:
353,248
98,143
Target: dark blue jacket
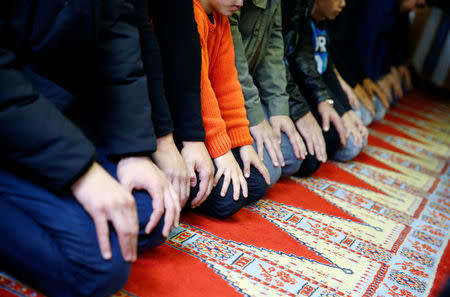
372,41
69,69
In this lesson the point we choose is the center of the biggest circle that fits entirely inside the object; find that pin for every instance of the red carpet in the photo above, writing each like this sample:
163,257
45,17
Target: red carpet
376,226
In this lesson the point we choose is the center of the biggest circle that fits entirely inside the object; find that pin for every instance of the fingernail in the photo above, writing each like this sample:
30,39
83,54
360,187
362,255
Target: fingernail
247,174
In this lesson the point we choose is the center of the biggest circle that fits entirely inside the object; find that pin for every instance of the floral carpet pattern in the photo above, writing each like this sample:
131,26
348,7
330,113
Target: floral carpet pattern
377,226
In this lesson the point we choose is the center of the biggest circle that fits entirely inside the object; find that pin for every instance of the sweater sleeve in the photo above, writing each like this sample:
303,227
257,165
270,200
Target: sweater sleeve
217,140
224,80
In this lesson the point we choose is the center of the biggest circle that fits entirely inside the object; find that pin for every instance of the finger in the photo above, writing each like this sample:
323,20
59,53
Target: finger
236,186
202,191
326,122
121,224
301,144
226,184
278,153
340,129
169,217
176,207
244,187
263,170
203,188
217,177
102,229
321,147
177,186
277,131
260,147
293,139
271,151
158,210
310,144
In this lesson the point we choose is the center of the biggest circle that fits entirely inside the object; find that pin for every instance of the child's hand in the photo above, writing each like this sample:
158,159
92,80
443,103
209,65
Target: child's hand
250,157
282,123
365,99
197,159
264,136
385,86
373,90
351,129
229,168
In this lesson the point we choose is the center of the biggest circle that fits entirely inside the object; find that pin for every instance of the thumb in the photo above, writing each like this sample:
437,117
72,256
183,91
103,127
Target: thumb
192,177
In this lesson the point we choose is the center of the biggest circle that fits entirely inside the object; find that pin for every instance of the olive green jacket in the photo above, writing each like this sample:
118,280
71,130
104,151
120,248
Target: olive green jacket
259,52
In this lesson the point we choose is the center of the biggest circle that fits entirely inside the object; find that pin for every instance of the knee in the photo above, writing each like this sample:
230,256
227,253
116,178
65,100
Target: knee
274,172
291,166
380,111
308,166
154,239
348,152
104,277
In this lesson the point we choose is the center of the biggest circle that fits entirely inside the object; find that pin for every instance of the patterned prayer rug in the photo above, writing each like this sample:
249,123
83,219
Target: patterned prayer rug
377,226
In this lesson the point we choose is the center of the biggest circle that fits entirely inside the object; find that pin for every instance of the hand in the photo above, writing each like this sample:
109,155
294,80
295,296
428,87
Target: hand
373,90
351,95
250,157
329,114
311,132
264,136
284,124
351,128
365,99
229,168
198,160
169,160
359,125
104,199
405,74
385,85
140,173
396,82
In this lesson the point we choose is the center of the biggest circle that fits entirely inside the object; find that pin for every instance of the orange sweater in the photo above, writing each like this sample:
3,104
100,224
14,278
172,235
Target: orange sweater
223,110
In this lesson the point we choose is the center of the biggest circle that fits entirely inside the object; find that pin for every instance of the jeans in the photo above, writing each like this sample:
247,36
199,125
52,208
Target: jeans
364,114
49,241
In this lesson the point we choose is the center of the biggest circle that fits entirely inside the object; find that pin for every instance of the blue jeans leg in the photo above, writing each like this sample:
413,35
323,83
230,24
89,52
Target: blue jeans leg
349,151
50,241
365,115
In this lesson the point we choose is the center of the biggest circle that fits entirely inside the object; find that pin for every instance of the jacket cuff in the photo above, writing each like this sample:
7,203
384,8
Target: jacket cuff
255,114
240,136
278,107
218,144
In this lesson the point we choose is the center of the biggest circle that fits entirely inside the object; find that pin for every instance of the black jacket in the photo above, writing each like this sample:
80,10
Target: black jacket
300,53
181,53
70,69
343,47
